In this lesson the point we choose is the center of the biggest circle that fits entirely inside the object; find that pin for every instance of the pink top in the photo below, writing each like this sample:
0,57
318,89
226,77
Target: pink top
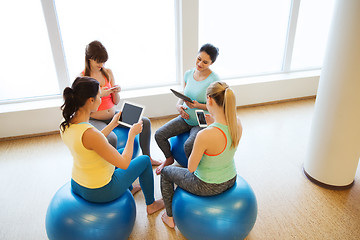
106,102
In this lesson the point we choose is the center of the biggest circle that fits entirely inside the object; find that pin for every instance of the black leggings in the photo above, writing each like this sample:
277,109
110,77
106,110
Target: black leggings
171,175
173,128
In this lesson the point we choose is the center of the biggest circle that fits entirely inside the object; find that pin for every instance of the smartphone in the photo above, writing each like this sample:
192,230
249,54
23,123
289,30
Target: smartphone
113,87
200,115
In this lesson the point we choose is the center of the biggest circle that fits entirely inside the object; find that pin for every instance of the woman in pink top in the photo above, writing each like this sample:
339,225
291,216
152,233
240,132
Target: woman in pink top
95,58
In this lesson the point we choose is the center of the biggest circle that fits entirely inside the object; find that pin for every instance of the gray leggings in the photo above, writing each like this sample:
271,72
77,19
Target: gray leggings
144,137
171,175
173,128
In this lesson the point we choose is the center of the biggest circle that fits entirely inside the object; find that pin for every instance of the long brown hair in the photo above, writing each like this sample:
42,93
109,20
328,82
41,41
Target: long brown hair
76,96
95,51
225,97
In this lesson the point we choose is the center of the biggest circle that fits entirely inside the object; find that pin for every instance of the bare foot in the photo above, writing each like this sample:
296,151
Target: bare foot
167,162
155,162
155,206
169,221
135,189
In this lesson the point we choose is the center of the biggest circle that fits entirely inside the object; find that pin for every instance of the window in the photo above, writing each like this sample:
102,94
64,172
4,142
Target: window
259,36
46,51
26,61
138,35
250,35
311,33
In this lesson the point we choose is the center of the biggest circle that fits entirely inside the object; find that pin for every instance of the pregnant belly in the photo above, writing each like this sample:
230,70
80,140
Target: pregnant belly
104,114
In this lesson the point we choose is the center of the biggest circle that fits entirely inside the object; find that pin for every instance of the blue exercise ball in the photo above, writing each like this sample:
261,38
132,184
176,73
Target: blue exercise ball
229,215
122,135
70,217
177,148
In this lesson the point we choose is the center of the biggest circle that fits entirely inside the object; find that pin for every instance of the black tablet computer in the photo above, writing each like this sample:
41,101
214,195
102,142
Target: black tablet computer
131,113
182,96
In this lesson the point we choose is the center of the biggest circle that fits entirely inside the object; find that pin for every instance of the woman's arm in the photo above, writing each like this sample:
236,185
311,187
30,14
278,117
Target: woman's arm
196,104
181,109
94,140
115,93
129,147
239,127
199,148
113,124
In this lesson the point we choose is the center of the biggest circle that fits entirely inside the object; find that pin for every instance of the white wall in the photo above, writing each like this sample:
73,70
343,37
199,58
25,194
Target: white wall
20,119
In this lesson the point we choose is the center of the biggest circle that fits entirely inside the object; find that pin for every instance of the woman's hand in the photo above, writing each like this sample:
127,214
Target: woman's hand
115,120
136,129
194,104
181,109
116,89
105,91
113,124
209,119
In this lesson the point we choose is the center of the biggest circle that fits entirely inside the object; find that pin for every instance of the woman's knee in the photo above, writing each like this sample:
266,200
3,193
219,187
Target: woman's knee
159,136
188,146
144,159
146,122
168,171
164,172
112,138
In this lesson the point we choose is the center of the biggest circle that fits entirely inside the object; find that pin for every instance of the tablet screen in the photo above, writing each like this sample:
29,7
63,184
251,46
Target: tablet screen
130,114
201,117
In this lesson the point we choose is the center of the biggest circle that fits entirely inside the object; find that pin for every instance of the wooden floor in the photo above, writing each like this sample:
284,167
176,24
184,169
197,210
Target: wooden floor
270,157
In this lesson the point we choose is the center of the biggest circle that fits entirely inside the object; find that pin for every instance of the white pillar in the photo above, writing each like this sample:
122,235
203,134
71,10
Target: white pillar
334,146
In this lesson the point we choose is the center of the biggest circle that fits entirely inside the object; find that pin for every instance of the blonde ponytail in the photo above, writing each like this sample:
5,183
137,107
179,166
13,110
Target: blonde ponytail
225,97
230,115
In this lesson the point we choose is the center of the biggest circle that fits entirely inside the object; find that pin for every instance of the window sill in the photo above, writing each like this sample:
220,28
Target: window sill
41,116
133,94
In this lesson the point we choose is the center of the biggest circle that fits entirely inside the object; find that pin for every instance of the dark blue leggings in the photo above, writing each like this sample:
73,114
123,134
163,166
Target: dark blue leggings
121,181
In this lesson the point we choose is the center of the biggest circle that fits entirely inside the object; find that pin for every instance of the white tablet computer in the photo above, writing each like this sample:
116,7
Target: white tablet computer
200,116
131,113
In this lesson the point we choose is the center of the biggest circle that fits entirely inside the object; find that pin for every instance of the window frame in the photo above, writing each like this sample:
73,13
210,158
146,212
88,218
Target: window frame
186,37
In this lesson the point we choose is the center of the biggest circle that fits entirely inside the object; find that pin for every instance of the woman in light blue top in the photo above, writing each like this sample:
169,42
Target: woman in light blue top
211,168
197,81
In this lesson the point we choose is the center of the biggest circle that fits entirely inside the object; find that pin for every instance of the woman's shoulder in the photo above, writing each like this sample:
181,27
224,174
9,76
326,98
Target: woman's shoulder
214,77
240,128
189,73
110,73
77,128
209,132
108,70
81,125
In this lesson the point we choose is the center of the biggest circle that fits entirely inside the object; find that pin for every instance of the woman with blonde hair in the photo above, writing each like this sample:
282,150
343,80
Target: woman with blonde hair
211,169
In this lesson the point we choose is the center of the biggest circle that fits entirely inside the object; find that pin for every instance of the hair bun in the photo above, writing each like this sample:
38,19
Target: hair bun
68,93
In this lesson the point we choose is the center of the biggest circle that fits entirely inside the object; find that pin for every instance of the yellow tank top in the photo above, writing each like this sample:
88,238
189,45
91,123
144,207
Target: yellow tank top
89,168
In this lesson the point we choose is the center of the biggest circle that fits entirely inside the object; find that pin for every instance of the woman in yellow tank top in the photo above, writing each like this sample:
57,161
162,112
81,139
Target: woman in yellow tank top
100,173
